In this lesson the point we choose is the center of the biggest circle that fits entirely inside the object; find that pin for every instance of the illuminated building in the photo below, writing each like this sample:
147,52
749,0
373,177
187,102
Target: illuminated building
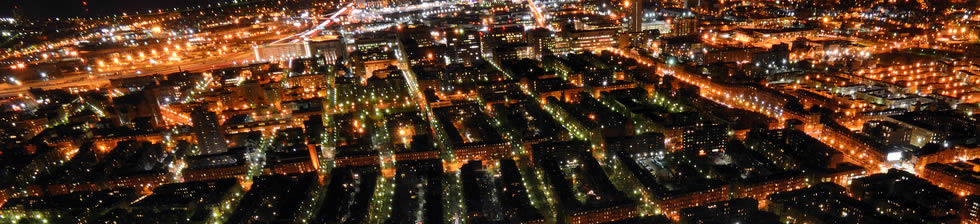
943,128
558,161
774,61
856,147
307,81
63,208
504,36
907,198
971,210
228,172
646,142
742,210
959,178
793,149
772,21
635,9
542,42
704,136
513,52
422,35
775,36
210,134
31,127
671,203
732,55
135,82
496,111
194,201
659,25
946,155
684,26
762,188
281,50
372,3
464,45
686,48
493,195
919,74
588,40
274,199
893,133
824,202
330,49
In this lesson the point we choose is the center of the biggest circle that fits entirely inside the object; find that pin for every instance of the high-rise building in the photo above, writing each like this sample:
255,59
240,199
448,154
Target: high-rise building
210,135
17,13
684,26
464,45
971,210
636,16
542,41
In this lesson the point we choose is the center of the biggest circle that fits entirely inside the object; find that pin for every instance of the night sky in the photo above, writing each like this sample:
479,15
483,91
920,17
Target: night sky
73,8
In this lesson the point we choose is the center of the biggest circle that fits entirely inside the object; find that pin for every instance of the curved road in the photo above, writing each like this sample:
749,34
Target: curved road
84,79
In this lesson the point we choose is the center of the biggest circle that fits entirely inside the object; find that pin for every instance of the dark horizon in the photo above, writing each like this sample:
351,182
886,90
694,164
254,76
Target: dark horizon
43,9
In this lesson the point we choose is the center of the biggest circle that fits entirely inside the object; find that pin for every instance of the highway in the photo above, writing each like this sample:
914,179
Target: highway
330,20
538,15
99,78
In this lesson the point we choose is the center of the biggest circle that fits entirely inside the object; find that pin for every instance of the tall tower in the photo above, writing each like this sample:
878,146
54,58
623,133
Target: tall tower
17,12
210,136
635,9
